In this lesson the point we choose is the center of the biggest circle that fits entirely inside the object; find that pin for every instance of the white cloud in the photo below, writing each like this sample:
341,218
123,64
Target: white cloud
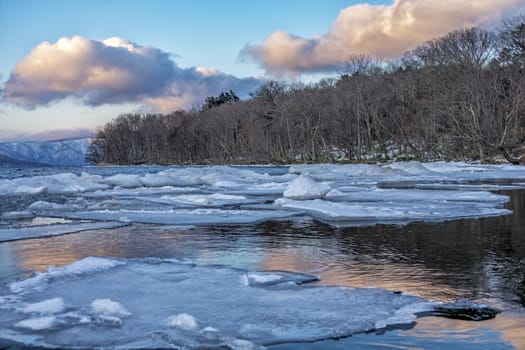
206,71
112,71
380,31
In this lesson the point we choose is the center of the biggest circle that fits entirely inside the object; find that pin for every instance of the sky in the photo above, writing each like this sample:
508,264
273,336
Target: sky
68,67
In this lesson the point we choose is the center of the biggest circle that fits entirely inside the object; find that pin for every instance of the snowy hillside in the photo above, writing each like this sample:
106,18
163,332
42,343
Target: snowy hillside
54,153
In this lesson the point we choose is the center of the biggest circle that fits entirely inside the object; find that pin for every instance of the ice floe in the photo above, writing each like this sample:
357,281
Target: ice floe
271,278
123,180
305,188
399,212
38,323
184,216
13,234
49,306
184,321
17,215
221,195
88,265
153,303
215,199
108,307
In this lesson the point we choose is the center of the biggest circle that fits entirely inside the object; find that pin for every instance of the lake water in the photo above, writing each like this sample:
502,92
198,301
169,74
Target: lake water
478,259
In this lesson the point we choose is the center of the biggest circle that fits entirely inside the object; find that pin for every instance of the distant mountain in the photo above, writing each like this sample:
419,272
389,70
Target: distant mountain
37,153
7,162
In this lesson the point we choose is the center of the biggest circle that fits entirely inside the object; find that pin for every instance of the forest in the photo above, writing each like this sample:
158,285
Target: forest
456,97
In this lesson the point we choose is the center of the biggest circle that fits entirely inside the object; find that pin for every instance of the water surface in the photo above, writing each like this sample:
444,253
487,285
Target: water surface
478,259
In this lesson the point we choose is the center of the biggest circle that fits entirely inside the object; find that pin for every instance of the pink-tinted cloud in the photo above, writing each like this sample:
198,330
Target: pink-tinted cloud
379,31
112,71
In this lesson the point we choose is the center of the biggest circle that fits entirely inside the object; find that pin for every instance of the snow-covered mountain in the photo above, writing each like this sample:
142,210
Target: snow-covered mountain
54,153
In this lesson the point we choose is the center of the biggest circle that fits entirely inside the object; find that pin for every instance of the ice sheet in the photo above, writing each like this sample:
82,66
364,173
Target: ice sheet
13,234
416,195
123,180
59,183
401,192
215,199
395,212
185,216
159,303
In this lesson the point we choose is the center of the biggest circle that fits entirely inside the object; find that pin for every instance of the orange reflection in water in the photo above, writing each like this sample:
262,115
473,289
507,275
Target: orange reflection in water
409,278
289,259
512,328
60,250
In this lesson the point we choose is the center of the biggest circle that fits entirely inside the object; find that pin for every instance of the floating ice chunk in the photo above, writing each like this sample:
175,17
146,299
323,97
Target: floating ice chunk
38,324
40,206
341,211
13,234
49,306
415,195
305,188
85,266
406,315
59,183
338,171
185,216
173,228
465,187
411,168
260,316
263,278
108,321
228,184
271,186
123,180
210,330
335,194
10,187
242,344
18,215
454,167
373,212
215,199
108,307
158,180
215,176
143,192
464,310
268,278
183,321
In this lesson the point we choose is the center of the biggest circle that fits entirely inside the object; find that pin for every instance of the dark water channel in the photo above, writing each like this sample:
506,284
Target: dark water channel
482,260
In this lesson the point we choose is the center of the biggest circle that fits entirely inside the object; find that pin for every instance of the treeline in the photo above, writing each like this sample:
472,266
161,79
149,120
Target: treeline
461,96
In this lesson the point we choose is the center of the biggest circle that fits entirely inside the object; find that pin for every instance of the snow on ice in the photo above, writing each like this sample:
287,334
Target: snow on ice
108,307
49,306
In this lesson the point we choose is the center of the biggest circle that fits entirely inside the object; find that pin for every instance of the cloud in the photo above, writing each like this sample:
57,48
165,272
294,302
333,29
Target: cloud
112,71
379,31
192,85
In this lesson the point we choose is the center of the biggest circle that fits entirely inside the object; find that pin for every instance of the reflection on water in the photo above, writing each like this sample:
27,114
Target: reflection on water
482,260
